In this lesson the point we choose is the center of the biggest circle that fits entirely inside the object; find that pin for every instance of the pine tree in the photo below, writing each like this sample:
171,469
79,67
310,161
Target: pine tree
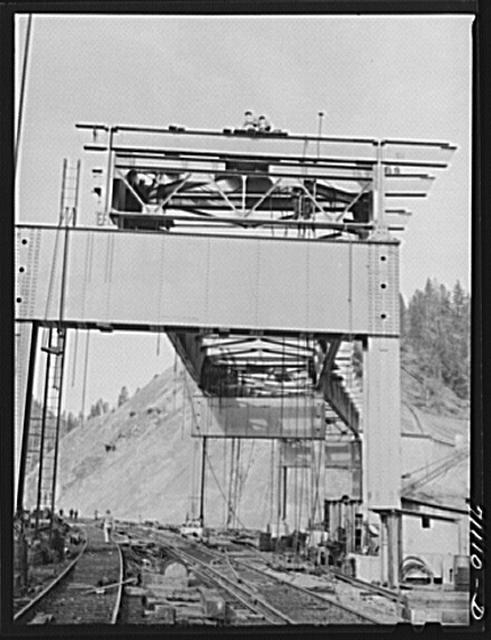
436,328
123,396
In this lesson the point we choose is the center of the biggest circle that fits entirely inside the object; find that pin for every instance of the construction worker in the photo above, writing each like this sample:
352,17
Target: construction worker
263,124
108,526
250,121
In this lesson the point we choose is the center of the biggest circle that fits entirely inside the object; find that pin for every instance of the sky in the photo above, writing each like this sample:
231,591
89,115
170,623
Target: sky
379,76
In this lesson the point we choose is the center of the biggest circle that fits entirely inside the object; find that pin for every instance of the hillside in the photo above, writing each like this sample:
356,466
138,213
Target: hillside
140,460
430,408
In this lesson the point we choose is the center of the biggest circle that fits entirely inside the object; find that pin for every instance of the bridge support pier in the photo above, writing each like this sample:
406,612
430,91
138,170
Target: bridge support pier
381,448
390,547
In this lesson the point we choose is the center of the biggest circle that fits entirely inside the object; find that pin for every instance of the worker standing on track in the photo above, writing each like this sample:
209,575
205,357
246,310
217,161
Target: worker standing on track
108,526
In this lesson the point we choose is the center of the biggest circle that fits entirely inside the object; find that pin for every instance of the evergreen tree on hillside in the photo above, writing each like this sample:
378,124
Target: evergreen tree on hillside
123,396
71,422
436,327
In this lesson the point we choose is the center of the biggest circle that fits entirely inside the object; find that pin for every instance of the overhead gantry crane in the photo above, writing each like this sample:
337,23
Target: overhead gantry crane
262,256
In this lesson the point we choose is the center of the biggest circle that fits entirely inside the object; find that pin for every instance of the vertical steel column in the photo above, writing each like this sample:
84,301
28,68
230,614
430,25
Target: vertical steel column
27,418
381,446
109,172
57,432
202,491
383,548
399,549
378,189
351,526
392,548
327,515
43,431
244,178
382,424
285,481
280,467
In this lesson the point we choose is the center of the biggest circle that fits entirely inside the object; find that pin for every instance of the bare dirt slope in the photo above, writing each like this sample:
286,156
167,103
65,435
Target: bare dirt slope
141,461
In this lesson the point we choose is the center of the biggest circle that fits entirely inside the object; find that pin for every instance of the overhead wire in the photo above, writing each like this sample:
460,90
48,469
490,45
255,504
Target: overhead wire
220,489
236,481
231,484
244,476
86,366
224,458
22,91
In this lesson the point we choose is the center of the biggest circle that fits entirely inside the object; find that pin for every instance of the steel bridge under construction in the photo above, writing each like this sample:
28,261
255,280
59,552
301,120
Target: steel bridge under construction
270,262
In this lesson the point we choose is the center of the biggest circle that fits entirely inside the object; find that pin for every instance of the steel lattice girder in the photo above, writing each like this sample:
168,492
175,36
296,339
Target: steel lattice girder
343,170
152,280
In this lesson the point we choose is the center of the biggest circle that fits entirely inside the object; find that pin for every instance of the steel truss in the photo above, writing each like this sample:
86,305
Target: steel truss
235,175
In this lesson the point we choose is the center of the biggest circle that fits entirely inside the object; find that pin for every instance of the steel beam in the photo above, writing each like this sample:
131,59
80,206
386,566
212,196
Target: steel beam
188,347
337,396
269,417
205,281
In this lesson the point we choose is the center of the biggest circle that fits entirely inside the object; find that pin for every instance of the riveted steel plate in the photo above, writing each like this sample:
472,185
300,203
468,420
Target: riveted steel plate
268,417
183,280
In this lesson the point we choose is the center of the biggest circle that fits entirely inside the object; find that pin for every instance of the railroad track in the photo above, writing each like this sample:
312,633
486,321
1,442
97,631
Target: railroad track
241,606
368,586
279,602
88,591
358,583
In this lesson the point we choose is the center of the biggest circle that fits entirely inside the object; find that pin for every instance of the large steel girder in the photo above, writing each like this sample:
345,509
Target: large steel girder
178,281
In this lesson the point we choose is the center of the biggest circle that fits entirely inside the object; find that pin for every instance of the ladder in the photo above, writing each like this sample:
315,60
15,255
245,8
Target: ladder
45,430
43,437
70,182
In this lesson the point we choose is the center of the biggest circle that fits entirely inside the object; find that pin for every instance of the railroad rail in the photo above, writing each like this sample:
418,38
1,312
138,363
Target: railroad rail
376,589
279,601
242,606
89,590
236,586
24,611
